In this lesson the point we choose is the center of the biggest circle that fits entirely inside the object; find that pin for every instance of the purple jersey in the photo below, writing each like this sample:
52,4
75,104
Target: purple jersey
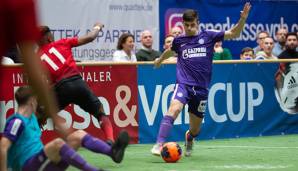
195,54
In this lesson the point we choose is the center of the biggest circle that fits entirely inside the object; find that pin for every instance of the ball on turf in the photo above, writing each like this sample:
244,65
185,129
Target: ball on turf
171,152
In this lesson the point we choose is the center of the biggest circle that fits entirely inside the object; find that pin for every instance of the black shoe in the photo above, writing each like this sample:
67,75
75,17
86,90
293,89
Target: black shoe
109,142
118,148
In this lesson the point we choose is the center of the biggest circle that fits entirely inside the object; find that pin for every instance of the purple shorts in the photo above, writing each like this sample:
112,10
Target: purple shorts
41,162
195,97
36,162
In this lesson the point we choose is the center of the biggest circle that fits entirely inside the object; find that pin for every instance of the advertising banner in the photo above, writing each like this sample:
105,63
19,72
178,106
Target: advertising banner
68,18
115,86
223,15
241,103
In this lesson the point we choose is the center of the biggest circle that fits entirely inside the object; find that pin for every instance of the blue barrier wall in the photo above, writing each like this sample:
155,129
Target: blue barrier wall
241,103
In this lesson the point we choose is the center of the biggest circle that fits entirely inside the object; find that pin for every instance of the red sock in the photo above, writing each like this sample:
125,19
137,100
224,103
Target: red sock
107,127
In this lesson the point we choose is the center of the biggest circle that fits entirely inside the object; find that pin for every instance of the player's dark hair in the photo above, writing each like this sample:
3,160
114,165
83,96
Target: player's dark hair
291,34
23,94
247,49
122,39
190,15
43,30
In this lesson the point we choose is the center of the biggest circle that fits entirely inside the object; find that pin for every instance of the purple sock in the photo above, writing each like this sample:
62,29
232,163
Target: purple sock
165,128
70,156
96,145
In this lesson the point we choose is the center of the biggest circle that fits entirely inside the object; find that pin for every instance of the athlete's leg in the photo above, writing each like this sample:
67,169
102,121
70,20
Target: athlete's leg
168,120
116,151
196,109
194,124
88,101
179,99
166,125
57,150
194,130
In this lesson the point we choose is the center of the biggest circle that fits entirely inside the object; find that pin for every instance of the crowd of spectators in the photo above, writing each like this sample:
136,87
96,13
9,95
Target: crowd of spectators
284,46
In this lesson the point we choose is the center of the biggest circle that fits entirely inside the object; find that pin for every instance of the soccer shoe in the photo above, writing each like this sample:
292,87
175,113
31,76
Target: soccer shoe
118,148
156,149
188,145
109,142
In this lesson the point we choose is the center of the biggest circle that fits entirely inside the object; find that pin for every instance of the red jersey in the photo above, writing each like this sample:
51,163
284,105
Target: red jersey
17,23
57,57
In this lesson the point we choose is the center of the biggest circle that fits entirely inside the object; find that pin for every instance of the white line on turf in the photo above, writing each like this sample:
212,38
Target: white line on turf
247,166
243,146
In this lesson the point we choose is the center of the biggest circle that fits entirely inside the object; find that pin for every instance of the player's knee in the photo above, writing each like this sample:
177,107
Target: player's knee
175,110
58,143
76,136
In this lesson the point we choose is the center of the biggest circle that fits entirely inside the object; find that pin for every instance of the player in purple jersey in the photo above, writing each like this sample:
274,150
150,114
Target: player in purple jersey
193,74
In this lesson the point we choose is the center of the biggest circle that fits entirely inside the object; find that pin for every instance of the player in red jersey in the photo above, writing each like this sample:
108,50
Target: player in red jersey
69,86
18,25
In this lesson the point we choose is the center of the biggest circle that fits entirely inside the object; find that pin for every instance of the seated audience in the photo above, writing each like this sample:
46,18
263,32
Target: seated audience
176,31
168,44
247,53
260,37
279,46
266,53
146,53
125,47
221,53
290,51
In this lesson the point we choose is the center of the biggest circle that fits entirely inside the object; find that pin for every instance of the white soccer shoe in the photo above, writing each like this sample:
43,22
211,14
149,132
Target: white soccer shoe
156,149
188,145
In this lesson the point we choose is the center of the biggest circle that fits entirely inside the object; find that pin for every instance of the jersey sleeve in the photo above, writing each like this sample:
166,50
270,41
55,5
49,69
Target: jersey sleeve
216,35
72,41
175,45
13,129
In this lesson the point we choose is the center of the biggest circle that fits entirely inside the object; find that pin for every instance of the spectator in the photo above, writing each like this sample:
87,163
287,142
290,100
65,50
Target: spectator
279,46
125,46
221,53
176,31
14,54
266,53
167,45
146,53
6,60
290,51
247,53
260,37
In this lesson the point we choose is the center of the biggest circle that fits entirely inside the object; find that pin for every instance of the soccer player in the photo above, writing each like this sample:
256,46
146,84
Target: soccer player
18,25
193,74
68,84
22,149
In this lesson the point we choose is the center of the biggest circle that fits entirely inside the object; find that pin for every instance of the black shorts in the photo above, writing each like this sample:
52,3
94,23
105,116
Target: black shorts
74,90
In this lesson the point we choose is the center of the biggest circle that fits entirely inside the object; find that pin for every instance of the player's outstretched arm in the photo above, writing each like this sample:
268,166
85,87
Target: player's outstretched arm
165,55
5,143
89,37
235,31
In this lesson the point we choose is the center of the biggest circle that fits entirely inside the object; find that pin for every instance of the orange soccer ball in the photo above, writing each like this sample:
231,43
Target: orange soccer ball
171,152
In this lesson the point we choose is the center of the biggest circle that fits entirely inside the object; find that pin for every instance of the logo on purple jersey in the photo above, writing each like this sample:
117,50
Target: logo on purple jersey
194,52
173,18
201,41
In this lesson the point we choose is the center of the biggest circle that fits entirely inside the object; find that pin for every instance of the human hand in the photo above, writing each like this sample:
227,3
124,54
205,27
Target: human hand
98,26
157,63
218,49
245,11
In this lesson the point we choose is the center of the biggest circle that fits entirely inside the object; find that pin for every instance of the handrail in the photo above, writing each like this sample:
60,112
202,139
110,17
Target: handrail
97,63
